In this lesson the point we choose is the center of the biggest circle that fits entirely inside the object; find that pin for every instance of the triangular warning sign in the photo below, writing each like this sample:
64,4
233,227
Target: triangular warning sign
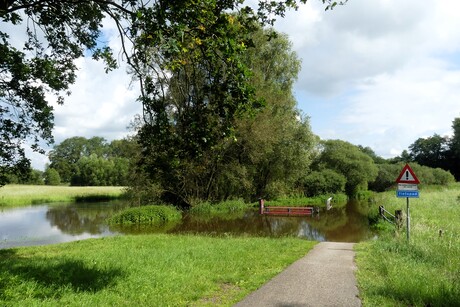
407,176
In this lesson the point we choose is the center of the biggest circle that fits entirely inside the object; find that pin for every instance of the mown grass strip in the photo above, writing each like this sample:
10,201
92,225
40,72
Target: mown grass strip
21,195
423,272
144,270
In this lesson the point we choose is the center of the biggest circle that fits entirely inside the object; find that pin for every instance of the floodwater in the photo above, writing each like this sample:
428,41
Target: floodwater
50,224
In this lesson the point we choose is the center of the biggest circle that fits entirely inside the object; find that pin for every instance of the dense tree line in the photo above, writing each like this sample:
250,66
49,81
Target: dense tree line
94,162
436,151
80,161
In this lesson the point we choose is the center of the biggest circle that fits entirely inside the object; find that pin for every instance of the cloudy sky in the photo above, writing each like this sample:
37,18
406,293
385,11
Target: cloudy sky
378,73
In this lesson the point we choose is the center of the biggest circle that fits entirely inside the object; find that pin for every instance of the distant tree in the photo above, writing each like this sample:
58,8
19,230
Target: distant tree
370,152
454,149
52,176
34,177
64,156
431,151
347,159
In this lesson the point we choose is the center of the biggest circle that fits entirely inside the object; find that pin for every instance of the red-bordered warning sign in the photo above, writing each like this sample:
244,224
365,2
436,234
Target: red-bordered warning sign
407,175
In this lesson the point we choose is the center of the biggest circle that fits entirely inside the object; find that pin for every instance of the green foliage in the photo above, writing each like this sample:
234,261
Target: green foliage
264,152
388,173
431,151
386,177
92,162
324,182
347,159
52,177
153,215
43,67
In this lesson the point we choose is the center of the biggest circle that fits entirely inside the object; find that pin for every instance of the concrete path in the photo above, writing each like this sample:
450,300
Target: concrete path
324,277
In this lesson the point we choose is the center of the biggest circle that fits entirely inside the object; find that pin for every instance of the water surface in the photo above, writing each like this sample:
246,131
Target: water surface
56,223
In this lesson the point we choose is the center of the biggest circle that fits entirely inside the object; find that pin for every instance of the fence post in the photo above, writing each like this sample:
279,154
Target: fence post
261,206
398,218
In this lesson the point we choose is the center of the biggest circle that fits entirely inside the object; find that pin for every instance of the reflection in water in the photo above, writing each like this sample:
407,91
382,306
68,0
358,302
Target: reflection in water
37,225
77,218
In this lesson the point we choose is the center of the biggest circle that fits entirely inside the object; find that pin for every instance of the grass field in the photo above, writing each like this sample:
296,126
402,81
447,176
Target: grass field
424,271
20,195
144,270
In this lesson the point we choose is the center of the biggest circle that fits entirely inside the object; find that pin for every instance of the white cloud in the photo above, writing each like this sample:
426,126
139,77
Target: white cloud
386,71
376,73
99,102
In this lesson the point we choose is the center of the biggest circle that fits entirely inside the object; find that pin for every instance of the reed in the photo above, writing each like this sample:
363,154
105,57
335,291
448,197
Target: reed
152,215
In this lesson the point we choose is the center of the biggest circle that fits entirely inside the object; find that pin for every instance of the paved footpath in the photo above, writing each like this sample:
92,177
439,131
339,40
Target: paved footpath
324,277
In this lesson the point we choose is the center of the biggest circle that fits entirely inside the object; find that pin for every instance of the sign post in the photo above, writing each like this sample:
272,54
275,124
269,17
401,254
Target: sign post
408,188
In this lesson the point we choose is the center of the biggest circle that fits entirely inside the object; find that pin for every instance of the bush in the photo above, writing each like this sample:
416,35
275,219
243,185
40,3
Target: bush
52,177
153,215
386,177
324,182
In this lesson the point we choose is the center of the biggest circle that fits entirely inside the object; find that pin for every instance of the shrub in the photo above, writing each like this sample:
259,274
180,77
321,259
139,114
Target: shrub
52,177
154,215
324,182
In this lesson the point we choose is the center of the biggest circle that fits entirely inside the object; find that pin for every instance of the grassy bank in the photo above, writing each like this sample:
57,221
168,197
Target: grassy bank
20,195
423,272
144,270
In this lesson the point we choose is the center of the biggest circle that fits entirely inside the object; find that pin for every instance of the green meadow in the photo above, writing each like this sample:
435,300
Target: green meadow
424,271
144,270
20,195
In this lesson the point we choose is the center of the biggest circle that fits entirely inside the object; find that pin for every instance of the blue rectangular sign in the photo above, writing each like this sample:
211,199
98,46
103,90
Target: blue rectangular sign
409,194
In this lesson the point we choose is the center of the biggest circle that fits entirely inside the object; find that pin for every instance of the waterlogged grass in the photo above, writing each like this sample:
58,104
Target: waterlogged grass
144,270
153,215
423,272
225,207
20,195
338,200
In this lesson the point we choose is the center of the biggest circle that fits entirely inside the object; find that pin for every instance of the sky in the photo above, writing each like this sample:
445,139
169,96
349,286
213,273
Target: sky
378,73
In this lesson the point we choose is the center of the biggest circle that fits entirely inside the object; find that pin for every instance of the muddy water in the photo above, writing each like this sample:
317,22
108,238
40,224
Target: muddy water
49,224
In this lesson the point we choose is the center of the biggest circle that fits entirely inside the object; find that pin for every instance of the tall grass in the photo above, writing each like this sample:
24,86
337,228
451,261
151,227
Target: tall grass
144,270
424,271
320,201
20,195
228,206
153,215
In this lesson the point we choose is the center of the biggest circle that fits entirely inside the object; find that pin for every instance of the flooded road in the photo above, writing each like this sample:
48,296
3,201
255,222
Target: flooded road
56,223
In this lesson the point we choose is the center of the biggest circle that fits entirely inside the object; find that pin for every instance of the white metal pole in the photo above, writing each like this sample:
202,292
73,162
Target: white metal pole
408,220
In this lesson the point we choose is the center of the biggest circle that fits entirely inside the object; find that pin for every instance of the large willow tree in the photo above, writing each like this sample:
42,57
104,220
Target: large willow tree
165,32
229,127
